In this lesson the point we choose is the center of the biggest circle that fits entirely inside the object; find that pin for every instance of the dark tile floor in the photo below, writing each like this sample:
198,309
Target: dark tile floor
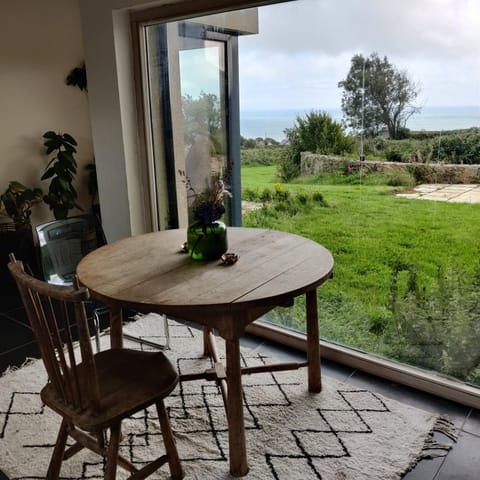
461,463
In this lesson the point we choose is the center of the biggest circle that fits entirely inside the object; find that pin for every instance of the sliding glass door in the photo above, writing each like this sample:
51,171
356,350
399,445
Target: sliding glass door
192,111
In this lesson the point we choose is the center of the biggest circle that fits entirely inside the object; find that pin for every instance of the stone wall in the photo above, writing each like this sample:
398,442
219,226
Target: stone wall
312,164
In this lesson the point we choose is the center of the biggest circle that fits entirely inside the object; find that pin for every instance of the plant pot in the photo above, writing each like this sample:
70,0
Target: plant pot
207,242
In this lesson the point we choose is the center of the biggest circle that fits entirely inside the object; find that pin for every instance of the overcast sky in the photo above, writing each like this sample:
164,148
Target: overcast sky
304,49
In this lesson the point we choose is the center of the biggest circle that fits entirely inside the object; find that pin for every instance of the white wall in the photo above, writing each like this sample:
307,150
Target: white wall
40,42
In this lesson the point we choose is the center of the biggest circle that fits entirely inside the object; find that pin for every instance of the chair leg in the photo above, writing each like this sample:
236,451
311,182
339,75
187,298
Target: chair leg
173,461
57,455
112,453
96,325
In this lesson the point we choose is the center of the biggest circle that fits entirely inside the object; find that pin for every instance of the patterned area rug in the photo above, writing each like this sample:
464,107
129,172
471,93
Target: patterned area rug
340,434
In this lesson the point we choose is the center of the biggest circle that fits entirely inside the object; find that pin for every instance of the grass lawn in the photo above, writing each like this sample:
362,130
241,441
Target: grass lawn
371,232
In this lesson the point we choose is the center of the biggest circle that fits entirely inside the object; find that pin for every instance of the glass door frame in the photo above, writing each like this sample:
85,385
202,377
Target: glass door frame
176,217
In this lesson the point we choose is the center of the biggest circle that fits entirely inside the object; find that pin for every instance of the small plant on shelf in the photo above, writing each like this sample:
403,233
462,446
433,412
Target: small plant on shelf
17,201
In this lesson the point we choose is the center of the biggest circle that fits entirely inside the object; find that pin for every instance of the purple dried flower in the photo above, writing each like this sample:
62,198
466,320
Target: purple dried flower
208,206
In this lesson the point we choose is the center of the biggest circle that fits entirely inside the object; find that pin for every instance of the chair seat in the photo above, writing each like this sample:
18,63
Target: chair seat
129,380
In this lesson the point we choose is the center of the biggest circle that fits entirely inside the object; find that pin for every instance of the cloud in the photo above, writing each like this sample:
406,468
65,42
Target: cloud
407,27
304,48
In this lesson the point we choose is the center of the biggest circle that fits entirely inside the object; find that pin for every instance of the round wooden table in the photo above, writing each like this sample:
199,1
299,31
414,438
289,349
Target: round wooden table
149,273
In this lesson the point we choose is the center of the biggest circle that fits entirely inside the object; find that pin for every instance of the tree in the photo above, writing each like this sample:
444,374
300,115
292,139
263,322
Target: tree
202,116
316,133
388,100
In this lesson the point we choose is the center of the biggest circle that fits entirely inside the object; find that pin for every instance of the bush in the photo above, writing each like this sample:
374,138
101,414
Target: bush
316,133
393,155
399,179
421,173
437,326
461,146
280,202
289,168
262,155
266,195
456,146
249,195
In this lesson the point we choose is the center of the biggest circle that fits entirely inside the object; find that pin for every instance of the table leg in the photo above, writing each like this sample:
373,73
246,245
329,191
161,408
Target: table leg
116,325
236,426
313,343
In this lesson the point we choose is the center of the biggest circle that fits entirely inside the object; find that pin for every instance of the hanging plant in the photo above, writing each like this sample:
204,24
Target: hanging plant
61,168
78,77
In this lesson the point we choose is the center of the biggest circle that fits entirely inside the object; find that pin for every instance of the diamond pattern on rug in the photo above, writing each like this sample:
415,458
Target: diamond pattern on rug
291,433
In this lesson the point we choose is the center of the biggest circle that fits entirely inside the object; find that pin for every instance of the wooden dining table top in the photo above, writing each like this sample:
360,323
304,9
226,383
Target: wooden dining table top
149,272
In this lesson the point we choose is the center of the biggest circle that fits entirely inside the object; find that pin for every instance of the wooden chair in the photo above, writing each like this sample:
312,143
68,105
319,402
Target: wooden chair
93,392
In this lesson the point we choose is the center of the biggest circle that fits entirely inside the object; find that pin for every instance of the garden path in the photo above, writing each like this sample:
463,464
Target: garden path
468,193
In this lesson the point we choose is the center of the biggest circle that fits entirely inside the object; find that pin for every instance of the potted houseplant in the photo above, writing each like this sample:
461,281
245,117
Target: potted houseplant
61,169
17,201
17,236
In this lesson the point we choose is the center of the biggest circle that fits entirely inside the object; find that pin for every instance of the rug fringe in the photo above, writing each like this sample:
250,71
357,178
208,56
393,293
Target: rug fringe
445,426
13,368
441,425
433,448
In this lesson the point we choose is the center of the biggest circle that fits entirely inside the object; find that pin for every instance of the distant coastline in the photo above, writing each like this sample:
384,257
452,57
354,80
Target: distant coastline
272,123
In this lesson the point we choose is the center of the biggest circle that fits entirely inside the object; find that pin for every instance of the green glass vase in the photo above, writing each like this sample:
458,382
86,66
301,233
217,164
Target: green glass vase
207,242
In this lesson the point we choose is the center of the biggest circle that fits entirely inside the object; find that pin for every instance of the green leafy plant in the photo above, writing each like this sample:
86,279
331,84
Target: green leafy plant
61,169
317,132
17,200
438,327
77,77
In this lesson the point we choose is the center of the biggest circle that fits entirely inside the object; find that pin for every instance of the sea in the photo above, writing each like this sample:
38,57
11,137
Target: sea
272,123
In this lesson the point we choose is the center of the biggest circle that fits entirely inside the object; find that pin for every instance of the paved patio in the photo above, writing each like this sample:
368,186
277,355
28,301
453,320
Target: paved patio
469,193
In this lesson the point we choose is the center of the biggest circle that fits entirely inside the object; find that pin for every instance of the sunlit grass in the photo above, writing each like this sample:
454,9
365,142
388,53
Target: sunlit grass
369,230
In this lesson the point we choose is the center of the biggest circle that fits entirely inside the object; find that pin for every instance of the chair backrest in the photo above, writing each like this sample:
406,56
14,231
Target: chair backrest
56,313
63,243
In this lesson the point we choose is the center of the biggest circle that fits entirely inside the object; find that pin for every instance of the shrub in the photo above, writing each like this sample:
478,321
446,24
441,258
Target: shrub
399,179
266,195
394,155
280,202
249,194
262,155
456,146
317,133
436,326
302,198
421,173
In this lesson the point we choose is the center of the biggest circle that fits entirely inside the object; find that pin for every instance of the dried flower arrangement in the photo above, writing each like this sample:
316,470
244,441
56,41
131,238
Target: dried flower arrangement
208,205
